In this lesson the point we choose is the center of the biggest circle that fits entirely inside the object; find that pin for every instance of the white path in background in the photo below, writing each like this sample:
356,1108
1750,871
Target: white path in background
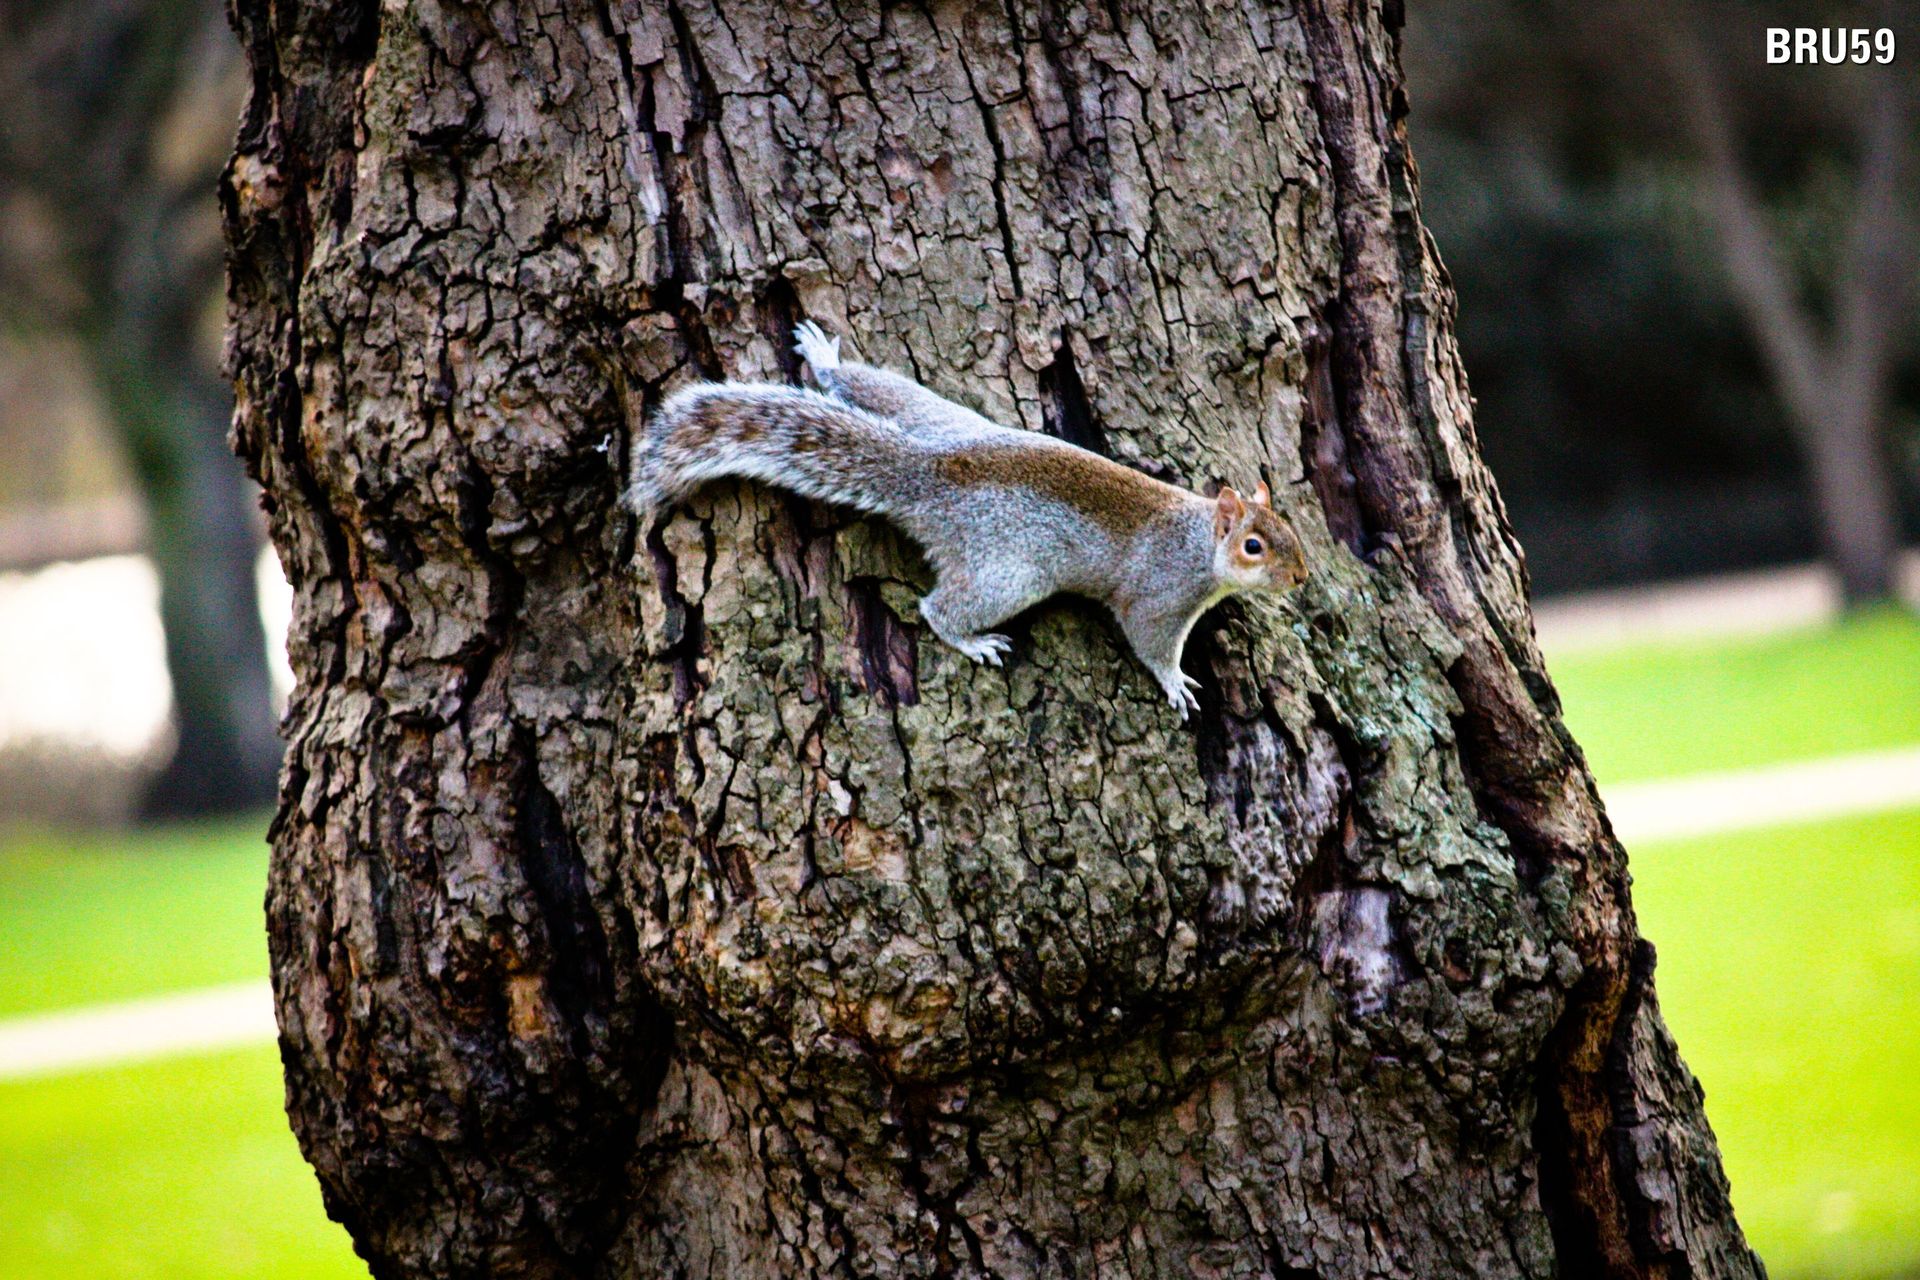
1734,604
1803,791
83,660
224,1017
157,1027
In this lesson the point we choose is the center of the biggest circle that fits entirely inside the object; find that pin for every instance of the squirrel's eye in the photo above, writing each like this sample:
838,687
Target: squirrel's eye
1253,547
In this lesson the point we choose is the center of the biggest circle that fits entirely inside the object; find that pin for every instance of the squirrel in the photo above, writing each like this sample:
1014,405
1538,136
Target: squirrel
1007,518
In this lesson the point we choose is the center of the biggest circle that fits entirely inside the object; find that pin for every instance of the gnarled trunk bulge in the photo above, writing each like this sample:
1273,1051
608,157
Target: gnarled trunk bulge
668,904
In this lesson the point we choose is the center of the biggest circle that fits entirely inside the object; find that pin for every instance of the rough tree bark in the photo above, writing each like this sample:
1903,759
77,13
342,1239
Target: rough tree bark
668,906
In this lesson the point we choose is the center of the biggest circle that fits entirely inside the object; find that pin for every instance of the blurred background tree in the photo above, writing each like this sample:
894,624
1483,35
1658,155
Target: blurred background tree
120,113
1685,279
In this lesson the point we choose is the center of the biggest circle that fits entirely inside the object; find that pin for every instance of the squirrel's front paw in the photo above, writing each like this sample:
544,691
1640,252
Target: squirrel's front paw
1180,692
989,648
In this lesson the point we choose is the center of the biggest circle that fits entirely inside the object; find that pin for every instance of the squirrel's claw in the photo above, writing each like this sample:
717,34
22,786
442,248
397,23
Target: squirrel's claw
1180,689
986,649
815,347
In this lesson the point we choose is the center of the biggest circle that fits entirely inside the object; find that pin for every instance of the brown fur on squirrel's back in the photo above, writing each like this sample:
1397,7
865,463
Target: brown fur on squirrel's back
1116,497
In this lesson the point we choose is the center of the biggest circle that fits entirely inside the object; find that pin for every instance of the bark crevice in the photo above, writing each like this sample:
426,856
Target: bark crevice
1066,413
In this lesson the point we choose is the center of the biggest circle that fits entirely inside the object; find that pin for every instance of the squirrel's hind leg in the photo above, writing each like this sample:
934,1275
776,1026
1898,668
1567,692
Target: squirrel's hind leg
962,606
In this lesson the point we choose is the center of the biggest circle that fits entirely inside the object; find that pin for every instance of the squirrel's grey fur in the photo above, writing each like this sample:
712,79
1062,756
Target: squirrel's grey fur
1007,518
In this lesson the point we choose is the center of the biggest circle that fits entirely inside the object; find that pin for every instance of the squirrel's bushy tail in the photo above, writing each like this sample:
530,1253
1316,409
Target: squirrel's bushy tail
797,440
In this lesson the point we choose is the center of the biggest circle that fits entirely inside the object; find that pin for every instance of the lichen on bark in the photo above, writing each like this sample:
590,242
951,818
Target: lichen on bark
664,902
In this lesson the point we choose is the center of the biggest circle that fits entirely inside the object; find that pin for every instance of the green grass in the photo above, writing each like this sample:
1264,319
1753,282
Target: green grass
1790,975
177,1169
91,918
1653,712
182,1168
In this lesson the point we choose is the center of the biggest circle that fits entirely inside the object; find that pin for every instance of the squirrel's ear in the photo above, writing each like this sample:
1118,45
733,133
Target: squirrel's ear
1227,511
1263,497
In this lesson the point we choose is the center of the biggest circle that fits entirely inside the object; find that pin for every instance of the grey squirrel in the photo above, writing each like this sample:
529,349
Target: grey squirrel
1007,518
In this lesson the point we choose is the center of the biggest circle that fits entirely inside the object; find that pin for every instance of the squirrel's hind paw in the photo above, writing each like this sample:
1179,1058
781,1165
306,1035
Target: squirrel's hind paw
815,347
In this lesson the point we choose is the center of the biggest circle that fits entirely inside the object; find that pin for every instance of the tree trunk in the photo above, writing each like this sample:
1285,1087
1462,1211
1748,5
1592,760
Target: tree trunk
1837,386
160,377
1855,502
170,409
672,906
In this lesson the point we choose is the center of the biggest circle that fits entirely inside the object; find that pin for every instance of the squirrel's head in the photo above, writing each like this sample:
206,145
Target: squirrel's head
1254,548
